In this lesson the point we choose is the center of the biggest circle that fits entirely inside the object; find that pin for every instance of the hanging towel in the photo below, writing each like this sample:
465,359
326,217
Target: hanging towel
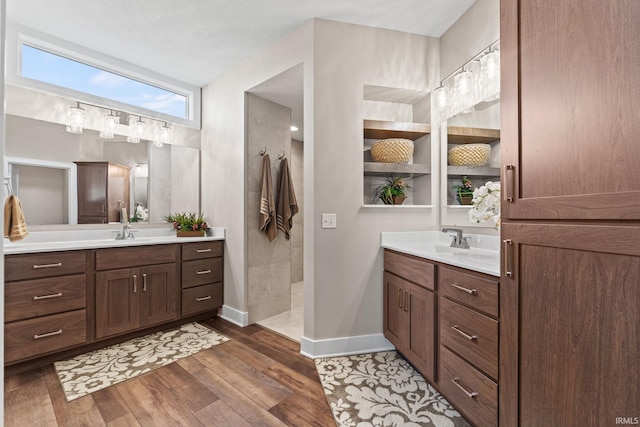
287,204
267,204
15,228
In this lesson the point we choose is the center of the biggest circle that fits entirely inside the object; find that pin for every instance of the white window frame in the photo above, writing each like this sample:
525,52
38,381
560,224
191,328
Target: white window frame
17,36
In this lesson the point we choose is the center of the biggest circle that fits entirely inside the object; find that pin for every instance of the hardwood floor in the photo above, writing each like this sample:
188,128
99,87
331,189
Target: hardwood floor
258,378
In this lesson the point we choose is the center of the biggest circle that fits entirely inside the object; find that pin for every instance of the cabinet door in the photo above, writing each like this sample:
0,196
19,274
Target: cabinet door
396,327
420,347
116,301
159,294
569,116
92,190
570,325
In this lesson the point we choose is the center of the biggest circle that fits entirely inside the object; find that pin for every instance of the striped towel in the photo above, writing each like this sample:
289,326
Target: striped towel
15,227
287,203
267,205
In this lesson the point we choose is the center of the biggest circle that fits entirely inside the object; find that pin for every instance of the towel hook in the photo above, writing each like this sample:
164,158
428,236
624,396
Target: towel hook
7,183
282,156
263,151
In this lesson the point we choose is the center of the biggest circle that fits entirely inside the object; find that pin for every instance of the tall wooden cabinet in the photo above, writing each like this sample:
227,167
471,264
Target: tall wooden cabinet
570,294
101,188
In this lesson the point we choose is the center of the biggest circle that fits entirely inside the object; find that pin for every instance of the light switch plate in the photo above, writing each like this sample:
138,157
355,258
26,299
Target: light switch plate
329,220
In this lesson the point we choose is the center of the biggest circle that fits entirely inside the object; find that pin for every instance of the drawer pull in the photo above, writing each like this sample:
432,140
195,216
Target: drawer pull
39,266
203,272
144,282
464,334
39,297
507,248
202,251
203,298
399,298
48,334
471,394
509,179
135,284
463,289
406,301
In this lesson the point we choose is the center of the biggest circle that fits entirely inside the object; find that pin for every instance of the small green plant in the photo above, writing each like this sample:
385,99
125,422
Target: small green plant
187,221
464,190
391,187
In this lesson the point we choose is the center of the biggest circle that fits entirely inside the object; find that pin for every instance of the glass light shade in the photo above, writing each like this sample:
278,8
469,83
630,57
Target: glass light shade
440,98
165,134
490,65
76,120
463,82
136,130
109,126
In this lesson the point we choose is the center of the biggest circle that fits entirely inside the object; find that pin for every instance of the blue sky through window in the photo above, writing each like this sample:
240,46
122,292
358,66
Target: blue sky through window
47,67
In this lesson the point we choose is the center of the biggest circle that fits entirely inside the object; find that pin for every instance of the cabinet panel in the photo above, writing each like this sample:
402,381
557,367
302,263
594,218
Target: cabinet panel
92,189
395,323
421,345
135,256
116,301
40,297
573,327
159,294
572,141
201,250
201,272
471,392
34,266
31,337
411,268
201,298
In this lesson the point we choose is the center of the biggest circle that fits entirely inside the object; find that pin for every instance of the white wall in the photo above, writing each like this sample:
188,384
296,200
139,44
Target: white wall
343,267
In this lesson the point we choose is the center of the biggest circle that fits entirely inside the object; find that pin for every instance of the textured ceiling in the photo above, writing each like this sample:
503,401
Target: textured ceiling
196,41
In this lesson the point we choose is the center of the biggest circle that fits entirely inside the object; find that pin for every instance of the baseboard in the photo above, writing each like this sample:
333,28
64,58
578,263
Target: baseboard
237,317
345,346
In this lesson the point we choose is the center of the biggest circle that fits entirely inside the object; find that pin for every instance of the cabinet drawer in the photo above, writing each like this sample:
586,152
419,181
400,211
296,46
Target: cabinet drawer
48,264
408,267
471,335
472,393
40,297
29,338
201,298
199,250
478,292
201,272
107,259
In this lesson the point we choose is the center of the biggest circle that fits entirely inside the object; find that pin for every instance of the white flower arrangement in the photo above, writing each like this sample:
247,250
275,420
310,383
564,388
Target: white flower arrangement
486,204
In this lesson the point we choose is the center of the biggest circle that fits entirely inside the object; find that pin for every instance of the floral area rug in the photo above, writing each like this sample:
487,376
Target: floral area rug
98,369
382,389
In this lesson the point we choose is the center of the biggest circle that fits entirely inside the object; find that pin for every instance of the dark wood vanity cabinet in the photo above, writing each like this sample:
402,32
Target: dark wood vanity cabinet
570,300
444,320
101,188
145,294
45,303
54,299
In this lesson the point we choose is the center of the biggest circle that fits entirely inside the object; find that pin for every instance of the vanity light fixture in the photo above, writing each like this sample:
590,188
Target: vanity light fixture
136,129
440,97
463,82
165,134
109,126
76,119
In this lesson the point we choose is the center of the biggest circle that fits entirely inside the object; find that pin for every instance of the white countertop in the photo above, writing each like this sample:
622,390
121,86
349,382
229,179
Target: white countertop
483,257
52,241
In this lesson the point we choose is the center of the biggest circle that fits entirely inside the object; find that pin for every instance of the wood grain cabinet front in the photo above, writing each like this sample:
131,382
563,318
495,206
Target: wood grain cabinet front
202,277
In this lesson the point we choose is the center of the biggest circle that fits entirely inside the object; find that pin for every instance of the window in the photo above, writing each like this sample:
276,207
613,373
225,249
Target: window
39,64
44,63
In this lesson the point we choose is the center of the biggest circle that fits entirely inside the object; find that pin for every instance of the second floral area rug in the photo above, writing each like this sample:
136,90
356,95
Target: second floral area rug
382,389
93,371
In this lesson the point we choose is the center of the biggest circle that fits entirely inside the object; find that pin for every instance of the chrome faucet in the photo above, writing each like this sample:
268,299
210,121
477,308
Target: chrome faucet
458,241
127,233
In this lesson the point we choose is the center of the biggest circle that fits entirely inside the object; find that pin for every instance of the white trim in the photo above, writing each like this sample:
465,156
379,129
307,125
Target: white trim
344,346
17,35
71,176
237,317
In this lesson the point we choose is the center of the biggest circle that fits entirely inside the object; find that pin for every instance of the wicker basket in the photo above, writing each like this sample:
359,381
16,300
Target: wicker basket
469,155
392,150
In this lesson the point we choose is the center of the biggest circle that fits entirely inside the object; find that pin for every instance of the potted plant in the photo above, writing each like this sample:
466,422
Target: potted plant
392,191
188,224
464,192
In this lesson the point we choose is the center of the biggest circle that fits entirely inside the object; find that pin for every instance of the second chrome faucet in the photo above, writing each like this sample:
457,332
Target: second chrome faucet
458,241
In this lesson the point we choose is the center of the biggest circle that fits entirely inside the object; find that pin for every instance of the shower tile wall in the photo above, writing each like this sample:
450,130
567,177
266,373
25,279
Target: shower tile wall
297,173
269,263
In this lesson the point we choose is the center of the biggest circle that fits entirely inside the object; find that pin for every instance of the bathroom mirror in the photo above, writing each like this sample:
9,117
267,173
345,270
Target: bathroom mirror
40,158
